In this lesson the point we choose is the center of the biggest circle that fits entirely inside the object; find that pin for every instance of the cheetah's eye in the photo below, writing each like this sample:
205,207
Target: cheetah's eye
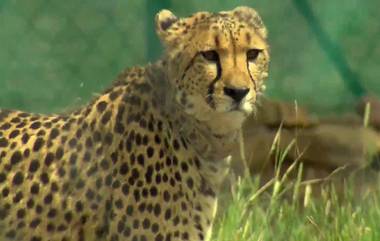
252,54
210,55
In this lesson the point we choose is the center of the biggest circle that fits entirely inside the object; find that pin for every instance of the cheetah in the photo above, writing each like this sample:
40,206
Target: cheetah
145,159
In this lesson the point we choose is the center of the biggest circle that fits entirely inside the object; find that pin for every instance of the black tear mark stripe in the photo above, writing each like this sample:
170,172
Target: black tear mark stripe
188,66
250,76
211,87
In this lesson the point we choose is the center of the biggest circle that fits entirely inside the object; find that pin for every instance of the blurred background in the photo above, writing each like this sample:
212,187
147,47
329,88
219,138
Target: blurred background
54,54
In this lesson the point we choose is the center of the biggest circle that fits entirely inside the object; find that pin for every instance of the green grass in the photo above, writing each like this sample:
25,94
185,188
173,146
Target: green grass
285,209
253,215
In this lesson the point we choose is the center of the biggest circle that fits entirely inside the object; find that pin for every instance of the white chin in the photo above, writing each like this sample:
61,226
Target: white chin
247,108
224,123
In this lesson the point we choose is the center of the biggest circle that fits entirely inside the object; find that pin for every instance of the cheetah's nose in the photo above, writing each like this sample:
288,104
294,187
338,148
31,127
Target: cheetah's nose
236,94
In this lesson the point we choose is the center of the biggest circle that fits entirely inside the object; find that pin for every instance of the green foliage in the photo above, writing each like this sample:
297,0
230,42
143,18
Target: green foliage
328,218
55,54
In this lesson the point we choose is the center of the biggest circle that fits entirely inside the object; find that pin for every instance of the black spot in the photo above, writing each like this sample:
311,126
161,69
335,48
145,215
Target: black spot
157,210
18,178
114,94
124,168
52,213
25,138
79,206
140,159
119,204
14,134
136,224
72,142
41,133
166,196
35,238
44,178
35,125
73,158
168,161
177,176
168,214
59,153
150,152
47,125
39,209
101,106
50,227
176,145
18,197
3,142
16,157
119,128
120,226
157,139
190,183
87,156
155,228
92,170
89,143
26,153
30,203
90,194
54,133
116,184
106,117
130,210
35,222
68,216
146,223
49,158
185,235
21,213
149,174
184,166
136,195
159,237
15,120
48,198
108,180
5,126
54,187
104,164
153,191
38,144
5,192
34,165
61,171
138,139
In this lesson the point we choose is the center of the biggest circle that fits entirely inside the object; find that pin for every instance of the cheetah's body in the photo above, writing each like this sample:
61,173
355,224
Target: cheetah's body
141,162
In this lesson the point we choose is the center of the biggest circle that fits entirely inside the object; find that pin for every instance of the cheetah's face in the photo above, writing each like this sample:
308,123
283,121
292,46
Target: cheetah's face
217,61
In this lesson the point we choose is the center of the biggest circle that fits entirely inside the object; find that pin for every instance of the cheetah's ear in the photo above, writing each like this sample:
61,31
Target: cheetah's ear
250,16
164,23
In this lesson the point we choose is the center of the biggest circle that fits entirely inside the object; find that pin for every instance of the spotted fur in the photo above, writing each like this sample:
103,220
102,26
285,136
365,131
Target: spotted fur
143,161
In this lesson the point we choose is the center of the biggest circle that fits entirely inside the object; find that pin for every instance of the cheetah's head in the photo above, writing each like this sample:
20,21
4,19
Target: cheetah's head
217,62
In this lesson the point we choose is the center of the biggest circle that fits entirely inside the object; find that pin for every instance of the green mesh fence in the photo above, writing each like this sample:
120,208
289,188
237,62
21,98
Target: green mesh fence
55,54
